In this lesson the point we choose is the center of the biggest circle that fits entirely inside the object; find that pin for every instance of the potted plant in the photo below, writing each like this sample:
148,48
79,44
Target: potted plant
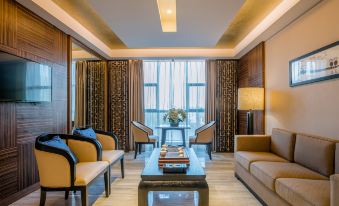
175,116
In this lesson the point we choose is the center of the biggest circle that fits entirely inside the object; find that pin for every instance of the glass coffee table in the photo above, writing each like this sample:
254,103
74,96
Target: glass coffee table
153,179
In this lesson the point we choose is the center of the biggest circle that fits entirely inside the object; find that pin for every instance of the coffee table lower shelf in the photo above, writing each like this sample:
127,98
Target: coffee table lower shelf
146,186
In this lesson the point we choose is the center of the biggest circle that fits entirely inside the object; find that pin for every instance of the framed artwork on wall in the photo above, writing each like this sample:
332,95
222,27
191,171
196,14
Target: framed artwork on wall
319,65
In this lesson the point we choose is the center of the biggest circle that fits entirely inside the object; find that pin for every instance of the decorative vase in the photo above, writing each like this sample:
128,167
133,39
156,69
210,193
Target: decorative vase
174,124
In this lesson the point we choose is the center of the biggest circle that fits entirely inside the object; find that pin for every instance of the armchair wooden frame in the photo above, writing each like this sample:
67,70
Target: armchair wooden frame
115,139
138,144
208,143
72,163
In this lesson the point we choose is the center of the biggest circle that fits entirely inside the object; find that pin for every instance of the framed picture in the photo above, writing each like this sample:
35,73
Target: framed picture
321,64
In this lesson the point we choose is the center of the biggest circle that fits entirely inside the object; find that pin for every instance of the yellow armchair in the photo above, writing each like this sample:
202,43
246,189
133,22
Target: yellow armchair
69,163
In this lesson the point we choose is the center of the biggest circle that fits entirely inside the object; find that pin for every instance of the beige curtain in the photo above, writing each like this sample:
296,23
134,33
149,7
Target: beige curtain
136,95
80,94
211,79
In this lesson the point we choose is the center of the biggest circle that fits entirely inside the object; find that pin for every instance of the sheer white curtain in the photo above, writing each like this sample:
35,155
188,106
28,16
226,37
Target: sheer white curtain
174,84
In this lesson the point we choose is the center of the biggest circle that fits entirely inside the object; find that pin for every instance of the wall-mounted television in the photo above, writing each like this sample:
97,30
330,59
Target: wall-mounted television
22,80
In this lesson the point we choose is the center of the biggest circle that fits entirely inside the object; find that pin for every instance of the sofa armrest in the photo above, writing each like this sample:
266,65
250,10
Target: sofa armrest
334,190
253,143
108,140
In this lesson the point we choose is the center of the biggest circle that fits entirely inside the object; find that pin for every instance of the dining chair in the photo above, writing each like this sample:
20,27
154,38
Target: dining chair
142,135
204,136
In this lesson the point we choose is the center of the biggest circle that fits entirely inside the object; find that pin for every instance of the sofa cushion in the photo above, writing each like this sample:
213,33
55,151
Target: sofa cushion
268,172
282,143
245,158
303,191
87,132
87,171
315,153
111,155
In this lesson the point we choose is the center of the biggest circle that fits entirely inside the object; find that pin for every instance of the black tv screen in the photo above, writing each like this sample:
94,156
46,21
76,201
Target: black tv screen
22,80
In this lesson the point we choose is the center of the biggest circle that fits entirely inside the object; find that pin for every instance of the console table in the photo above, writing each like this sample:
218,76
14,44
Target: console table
165,128
153,179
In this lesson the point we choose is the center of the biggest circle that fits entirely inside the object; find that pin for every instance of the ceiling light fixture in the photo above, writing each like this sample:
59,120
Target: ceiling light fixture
168,15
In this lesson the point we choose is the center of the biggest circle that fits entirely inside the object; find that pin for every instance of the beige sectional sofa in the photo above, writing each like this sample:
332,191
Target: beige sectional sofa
289,169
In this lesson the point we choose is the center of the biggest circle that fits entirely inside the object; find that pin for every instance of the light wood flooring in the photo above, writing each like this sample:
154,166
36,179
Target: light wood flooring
225,189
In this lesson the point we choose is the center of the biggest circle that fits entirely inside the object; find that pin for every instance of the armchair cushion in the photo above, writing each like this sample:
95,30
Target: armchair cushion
245,158
107,142
57,142
87,171
112,155
86,132
334,190
304,191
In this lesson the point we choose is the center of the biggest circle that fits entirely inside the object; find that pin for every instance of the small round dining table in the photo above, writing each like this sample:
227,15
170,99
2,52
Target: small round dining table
165,128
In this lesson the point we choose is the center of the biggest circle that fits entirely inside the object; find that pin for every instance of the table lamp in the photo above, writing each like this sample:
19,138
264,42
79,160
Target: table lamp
250,98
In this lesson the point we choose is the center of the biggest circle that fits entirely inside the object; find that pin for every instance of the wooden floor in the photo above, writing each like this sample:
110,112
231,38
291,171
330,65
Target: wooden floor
225,189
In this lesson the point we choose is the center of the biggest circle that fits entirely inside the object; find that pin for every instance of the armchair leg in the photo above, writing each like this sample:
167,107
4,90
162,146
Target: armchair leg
42,197
210,150
84,196
136,150
122,168
66,194
139,146
107,179
189,145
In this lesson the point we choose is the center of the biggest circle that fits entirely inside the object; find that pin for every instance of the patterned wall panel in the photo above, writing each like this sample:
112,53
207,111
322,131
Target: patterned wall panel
96,92
118,101
226,105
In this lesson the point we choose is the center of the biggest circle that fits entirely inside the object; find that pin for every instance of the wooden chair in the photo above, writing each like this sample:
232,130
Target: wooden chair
109,142
204,136
69,163
142,135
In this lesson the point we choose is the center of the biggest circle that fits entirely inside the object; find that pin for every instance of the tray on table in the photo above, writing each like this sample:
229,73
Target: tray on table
172,157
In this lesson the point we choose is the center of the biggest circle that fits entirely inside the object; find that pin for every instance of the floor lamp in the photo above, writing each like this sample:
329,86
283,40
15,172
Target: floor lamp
250,98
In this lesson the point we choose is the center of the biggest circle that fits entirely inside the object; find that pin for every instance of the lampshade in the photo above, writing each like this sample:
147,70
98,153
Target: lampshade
251,98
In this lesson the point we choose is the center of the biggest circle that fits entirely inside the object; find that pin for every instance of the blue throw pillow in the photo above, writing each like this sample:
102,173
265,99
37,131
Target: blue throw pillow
57,142
89,133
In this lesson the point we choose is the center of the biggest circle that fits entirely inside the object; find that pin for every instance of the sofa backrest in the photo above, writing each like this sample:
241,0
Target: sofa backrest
315,153
337,158
282,143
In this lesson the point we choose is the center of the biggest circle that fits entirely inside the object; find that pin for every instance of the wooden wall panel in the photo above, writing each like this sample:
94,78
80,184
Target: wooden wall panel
8,172
27,167
7,131
24,34
251,74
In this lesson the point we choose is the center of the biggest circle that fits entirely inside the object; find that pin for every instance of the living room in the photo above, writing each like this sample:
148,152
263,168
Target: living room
169,102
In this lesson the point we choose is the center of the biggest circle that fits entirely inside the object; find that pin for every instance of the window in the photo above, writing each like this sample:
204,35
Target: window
174,84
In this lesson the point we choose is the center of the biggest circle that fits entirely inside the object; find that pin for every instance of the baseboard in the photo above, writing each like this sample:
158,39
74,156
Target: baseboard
16,196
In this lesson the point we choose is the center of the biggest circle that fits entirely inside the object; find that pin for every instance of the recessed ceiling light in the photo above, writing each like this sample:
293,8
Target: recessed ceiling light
168,15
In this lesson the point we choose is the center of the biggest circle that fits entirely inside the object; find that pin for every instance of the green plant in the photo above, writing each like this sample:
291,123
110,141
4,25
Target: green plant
174,116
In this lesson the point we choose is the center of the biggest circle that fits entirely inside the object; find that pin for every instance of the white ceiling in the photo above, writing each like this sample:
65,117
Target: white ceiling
200,23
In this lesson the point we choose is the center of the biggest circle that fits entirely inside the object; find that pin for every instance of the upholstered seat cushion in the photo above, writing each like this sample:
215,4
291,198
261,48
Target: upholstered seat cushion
245,158
192,139
87,171
112,155
268,172
304,191
153,138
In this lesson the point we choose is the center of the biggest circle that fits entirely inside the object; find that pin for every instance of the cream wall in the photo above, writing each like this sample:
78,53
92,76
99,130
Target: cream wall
312,108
